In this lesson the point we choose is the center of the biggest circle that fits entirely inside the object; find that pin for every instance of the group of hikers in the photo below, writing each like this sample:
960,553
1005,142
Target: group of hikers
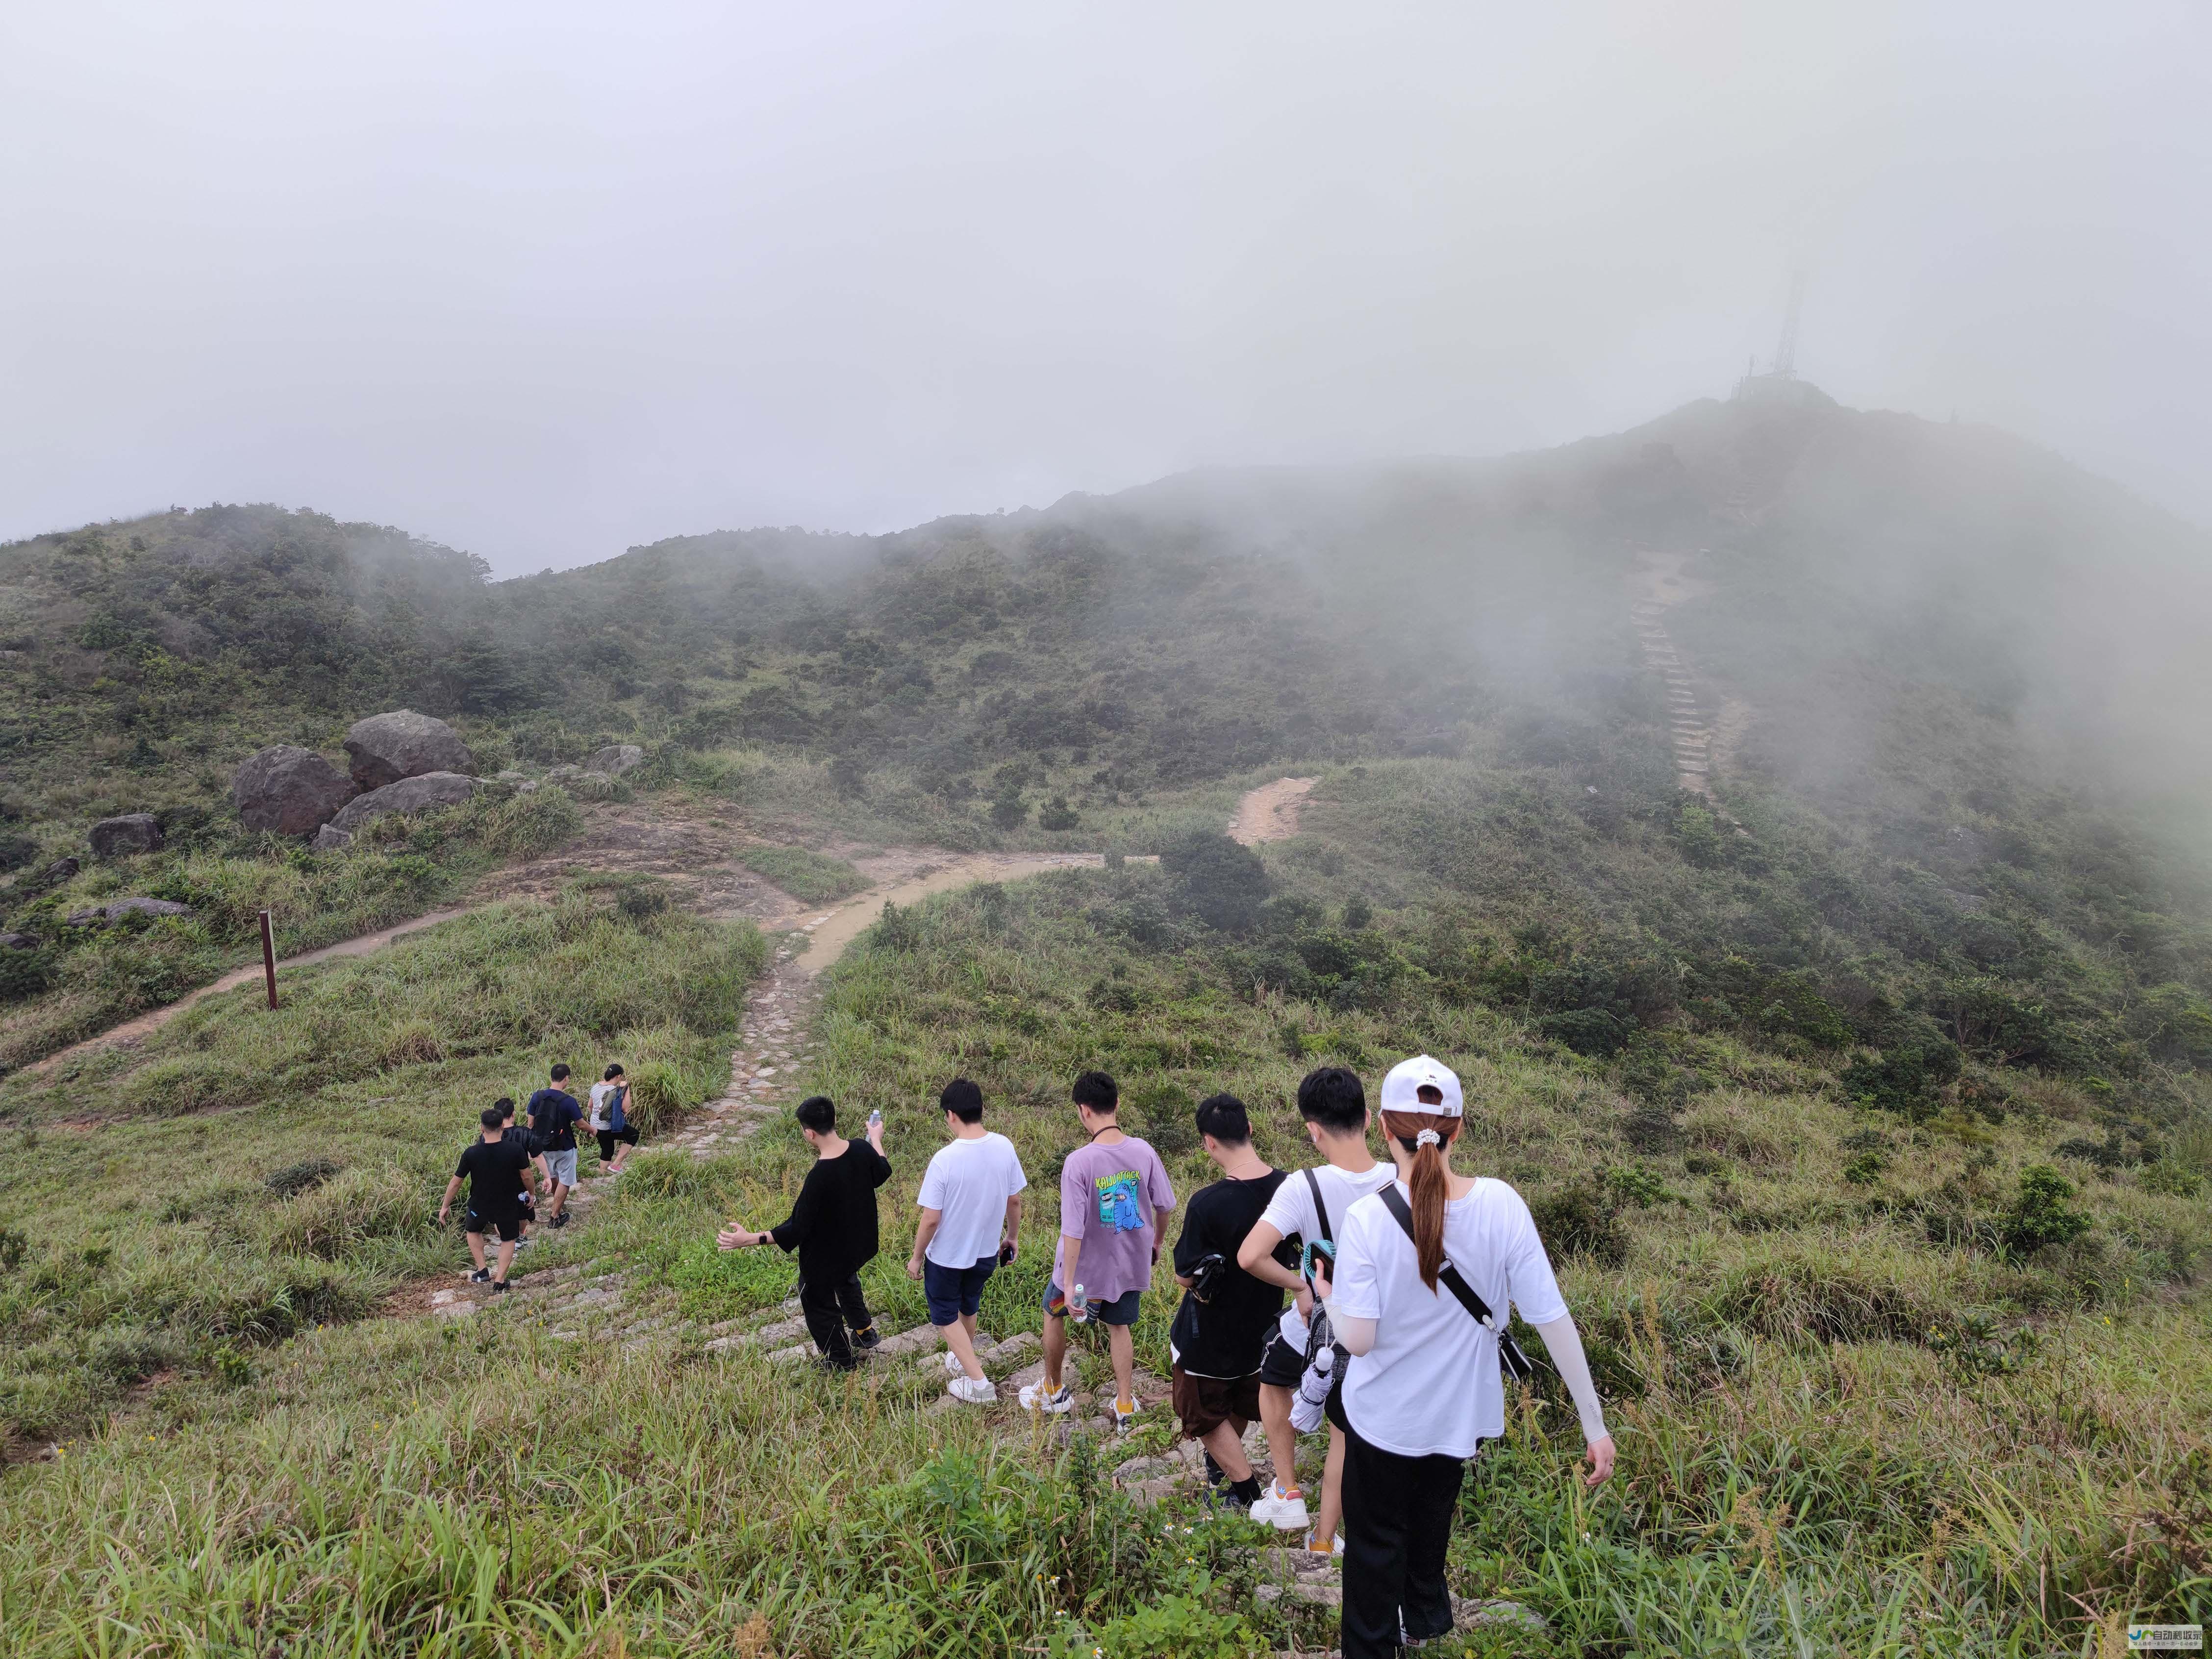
1399,1276
510,1166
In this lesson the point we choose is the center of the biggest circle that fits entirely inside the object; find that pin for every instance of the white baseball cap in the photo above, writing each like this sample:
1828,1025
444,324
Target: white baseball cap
1422,1073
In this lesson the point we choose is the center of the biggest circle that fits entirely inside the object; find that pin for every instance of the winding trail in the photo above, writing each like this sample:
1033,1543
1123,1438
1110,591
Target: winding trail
1659,585
1271,811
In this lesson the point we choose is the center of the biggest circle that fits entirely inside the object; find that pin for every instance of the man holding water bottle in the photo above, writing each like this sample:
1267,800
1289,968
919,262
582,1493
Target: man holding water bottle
833,1228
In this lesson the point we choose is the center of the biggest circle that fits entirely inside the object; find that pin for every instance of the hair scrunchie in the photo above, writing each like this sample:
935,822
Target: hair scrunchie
1428,1138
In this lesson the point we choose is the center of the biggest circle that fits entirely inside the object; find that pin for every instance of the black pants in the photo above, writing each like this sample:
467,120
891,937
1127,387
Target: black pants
829,1308
1397,1520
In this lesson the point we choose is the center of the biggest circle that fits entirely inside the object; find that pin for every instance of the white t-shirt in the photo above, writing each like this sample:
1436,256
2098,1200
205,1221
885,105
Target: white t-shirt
971,1181
1430,1383
1291,1213
599,1093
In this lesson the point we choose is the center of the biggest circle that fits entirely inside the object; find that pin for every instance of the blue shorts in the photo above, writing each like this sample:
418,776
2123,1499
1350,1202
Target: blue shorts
1122,1310
953,1291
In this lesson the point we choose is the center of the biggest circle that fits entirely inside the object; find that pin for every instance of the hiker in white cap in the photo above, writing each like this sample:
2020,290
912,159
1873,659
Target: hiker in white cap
1426,1272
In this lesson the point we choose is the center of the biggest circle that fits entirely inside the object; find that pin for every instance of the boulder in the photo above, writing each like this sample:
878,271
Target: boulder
60,870
100,915
133,832
417,794
615,759
385,748
17,942
289,790
329,839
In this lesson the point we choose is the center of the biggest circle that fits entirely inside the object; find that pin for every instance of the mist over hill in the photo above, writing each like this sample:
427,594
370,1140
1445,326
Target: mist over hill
1928,709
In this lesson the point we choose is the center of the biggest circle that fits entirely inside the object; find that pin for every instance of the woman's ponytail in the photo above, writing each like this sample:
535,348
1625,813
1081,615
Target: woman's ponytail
1425,1135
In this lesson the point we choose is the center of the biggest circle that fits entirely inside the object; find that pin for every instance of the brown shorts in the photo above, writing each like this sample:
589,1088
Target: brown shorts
1204,1403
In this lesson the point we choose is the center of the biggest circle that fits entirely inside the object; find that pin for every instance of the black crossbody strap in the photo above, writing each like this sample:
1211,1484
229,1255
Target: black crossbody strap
1320,1208
1516,1364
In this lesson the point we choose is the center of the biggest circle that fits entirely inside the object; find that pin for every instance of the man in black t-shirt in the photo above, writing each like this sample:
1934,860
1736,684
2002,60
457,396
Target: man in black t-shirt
554,1113
833,1227
1223,1324
495,1168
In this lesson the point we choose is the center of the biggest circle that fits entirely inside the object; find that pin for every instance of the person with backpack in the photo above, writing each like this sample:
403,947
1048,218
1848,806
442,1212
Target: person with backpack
554,1113
1427,1271
1307,1208
1226,1313
611,1119
524,1141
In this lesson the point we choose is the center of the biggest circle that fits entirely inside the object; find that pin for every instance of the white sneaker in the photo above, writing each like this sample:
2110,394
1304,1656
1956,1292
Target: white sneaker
1034,1399
1335,1549
1286,1509
952,1364
974,1391
1123,1421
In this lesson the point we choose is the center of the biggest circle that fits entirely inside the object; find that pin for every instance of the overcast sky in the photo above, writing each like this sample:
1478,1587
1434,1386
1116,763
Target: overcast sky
547,280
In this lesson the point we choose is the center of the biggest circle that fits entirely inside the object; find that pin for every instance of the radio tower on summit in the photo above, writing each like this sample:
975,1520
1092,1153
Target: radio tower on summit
1785,350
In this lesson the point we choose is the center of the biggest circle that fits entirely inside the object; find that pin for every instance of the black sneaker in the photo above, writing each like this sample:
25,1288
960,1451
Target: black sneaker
480,1276
561,1220
499,1287
870,1338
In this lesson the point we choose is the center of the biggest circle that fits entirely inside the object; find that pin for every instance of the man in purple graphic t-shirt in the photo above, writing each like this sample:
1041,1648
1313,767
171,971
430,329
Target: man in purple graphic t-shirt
1113,1192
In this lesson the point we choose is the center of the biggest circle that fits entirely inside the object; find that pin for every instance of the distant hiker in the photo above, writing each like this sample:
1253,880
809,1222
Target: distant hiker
611,1119
534,1171
1226,1314
971,1221
1113,1192
833,1228
554,1114
495,1168
1427,1270
1307,1209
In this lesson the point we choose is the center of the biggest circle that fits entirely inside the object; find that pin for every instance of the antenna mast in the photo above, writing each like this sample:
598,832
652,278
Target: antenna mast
1785,351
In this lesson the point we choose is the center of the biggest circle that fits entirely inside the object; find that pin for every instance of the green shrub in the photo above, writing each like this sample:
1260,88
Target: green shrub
1576,1220
2039,1214
811,877
303,1176
1215,880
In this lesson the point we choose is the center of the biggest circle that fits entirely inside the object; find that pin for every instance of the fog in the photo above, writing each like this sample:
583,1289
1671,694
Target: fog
545,281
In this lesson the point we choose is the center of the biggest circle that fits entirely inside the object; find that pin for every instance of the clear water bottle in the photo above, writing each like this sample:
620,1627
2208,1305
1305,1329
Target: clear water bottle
1078,1308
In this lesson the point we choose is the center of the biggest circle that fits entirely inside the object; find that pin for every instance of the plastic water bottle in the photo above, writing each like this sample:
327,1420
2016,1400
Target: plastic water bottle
876,1119
1078,1308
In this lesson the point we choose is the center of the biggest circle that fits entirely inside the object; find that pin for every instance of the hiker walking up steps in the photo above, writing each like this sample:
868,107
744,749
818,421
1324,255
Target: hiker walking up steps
611,1119
971,1217
495,1168
1112,1195
1427,1271
1308,1207
833,1228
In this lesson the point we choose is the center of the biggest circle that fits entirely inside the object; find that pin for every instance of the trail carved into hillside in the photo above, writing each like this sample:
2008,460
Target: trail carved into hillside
1271,811
1659,585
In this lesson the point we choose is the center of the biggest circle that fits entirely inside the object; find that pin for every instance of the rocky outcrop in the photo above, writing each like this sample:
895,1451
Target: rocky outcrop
416,794
100,915
615,759
289,790
133,832
385,749
331,839
17,942
59,871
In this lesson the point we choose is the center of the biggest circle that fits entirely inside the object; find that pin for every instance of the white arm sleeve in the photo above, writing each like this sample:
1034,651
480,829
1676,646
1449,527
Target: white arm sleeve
1564,1343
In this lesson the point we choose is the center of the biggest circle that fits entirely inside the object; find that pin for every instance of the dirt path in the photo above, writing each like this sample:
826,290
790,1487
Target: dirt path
1271,811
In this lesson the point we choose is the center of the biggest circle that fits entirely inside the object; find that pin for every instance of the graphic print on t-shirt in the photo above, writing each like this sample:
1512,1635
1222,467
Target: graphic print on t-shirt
1117,1201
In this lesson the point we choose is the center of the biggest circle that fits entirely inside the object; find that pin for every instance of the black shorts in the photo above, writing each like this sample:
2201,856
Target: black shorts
627,1135
1281,1365
508,1224
1203,1404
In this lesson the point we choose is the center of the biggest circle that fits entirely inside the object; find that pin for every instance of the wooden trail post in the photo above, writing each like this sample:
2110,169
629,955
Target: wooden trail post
268,957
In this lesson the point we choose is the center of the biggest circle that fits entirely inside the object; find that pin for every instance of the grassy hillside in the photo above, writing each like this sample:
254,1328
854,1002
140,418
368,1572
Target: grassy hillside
1864,1101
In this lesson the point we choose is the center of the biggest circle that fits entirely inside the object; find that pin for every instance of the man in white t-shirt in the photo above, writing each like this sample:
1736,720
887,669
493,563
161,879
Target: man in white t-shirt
1334,1107
971,1218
